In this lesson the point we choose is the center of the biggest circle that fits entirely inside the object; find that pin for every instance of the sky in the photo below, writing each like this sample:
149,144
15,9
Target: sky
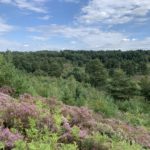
31,25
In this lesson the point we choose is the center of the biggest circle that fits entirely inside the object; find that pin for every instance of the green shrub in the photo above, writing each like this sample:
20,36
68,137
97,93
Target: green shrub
68,147
97,142
133,106
123,145
104,104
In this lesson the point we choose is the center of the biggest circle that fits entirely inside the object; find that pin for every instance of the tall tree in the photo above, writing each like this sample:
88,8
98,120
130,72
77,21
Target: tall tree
122,87
97,72
145,87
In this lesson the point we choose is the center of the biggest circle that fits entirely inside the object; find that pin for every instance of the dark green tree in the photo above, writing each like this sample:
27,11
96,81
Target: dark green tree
122,87
79,74
145,87
97,72
55,69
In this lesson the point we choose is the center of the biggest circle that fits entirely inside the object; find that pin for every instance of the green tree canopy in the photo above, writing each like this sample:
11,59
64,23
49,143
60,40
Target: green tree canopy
121,87
145,87
98,74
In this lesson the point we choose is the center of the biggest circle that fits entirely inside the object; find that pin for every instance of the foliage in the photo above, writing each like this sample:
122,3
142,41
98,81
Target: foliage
145,87
121,87
103,142
125,145
132,62
8,138
40,123
96,141
9,76
105,82
97,72
104,104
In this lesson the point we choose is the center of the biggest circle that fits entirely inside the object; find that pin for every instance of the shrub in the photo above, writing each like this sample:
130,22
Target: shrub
104,104
145,88
68,147
96,142
17,114
8,138
122,87
133,106
118,145
10,76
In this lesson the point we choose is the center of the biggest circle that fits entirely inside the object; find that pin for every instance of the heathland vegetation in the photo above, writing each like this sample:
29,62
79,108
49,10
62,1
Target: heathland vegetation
72,100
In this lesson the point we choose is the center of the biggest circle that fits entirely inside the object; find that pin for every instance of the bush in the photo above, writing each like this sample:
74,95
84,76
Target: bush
96,142
10,76
122,87
104,104
118,145
145,88
133,106
97,73
8,138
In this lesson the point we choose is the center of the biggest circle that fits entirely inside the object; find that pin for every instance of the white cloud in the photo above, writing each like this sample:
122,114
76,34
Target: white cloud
114,11
91,37
33,5
46,17
26,45
4,27
40,38
126,40
6,44
82,35
78,37
73,42
70,1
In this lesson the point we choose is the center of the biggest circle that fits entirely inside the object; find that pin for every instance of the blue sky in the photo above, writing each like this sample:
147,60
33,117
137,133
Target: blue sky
30,25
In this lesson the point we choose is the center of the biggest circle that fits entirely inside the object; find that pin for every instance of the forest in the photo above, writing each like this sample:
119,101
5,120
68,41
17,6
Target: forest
75,100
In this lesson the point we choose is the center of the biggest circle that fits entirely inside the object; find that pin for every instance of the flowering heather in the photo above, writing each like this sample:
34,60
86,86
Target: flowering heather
71,123
19,111
4,98
66,124
81,116
83,133
26,110
8,137
7,90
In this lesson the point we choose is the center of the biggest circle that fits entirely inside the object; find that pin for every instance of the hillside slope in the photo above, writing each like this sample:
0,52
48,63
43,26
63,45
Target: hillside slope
39,123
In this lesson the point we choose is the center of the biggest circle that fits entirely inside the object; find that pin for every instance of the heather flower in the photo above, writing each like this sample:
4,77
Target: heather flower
7,90
19,111
83,133
66,125
80,116
9,138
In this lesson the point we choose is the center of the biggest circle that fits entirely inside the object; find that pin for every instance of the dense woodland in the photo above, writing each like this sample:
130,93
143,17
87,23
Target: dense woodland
131,62
122,75
112,84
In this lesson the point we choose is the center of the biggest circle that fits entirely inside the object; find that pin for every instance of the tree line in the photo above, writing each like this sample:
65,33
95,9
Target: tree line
131,62
122,74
